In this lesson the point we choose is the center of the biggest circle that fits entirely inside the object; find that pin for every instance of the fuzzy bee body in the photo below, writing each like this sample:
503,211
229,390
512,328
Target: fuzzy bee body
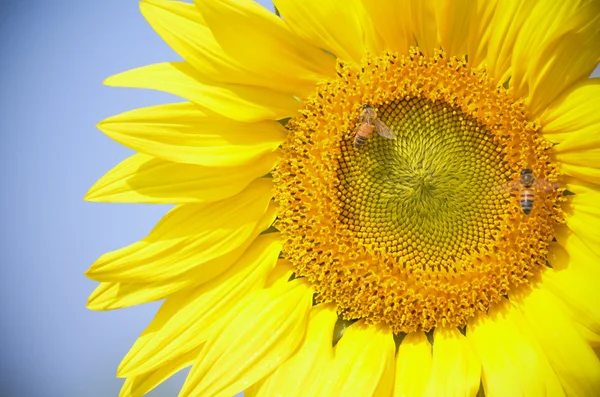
367,122
528,185
526,199
363,133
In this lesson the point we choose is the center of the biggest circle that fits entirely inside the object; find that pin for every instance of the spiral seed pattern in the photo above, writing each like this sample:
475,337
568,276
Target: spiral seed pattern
418,231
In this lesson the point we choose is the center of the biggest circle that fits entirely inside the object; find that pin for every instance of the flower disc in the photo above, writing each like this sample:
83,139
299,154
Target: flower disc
424,229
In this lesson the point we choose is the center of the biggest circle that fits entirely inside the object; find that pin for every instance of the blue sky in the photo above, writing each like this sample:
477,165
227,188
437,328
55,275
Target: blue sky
55,56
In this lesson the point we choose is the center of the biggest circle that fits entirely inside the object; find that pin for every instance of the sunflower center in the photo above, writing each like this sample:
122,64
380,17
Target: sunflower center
416,227
428,188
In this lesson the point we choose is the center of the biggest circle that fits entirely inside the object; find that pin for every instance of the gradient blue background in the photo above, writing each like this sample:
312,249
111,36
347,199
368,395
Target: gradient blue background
55,55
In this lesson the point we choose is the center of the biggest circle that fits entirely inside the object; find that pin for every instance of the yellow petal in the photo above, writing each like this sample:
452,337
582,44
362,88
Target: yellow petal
511,365
182,26
256,339
263,43
201,238
281,273
456,370
557,47
236,101
139,385
509,17
573,360
393,23
423,15
579,156
581,149
583,214
573,279
584,173
363,364
413,366
481,22
185,319
549,377
573,253
581,297
590,336
574,113
344,31
455,25
185,133
297,375
116,295
145,179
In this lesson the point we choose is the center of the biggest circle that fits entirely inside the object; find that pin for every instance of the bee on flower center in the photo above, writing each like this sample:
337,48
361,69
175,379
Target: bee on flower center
367,121
527,185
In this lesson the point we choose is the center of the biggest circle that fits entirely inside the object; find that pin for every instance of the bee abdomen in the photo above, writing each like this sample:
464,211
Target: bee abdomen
526,201
359,141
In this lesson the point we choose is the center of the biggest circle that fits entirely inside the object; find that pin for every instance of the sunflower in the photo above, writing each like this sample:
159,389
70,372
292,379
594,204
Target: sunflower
373,198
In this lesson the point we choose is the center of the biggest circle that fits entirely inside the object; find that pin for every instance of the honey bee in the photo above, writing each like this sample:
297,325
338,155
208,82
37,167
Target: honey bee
367,121
527,185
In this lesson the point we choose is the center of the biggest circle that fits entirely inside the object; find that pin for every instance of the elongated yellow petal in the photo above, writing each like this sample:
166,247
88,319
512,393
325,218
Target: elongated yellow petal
481,30
192,313
281,274
557,47
573,279
574,113
584,173
579,156
509,17
583,216
573,253
186,133
423,15
236,101
455,25
549,377
344,31
413,366
297,375
197,237
173,304
456,370
393,23
161,317
363,364
511,365
139,385
256,339
294,65
581,298
145,179
573,360
182,26
582,149
116,295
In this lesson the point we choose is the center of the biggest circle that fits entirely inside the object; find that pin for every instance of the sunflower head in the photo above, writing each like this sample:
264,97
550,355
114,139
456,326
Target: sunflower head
418,231
383,198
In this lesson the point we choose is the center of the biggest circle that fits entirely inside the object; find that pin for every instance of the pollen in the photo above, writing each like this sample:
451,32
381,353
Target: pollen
422,230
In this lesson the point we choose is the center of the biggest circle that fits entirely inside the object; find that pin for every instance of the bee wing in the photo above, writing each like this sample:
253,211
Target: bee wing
506,187
383,130
545,186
